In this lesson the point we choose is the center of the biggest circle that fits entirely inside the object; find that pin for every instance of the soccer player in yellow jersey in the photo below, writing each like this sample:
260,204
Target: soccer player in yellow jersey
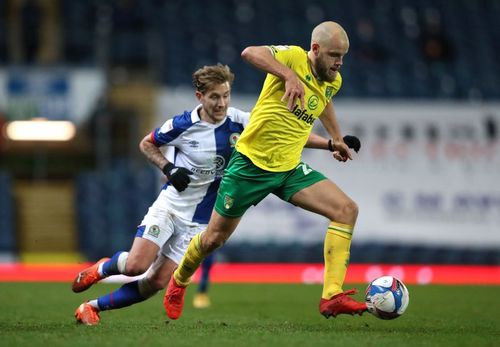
297,90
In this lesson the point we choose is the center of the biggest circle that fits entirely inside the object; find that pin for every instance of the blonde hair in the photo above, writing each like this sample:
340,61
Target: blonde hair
207,77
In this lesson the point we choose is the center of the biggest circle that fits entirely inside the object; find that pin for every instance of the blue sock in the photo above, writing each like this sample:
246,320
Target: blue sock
110,267
206,266
126,295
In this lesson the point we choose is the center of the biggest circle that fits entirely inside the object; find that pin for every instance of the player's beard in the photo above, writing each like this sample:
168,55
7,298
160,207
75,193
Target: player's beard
324,73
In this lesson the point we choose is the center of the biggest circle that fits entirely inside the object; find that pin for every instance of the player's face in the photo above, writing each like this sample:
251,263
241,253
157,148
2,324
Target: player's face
329,59
215,102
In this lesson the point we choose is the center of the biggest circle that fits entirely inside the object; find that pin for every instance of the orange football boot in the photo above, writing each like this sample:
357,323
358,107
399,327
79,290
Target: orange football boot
87,314
87,277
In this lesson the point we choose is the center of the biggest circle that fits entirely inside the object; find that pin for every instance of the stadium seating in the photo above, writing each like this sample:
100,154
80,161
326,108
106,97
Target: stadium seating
110,206
386,59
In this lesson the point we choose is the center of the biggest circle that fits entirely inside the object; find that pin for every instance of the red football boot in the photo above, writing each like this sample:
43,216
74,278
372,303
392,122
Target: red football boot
174,299
341,304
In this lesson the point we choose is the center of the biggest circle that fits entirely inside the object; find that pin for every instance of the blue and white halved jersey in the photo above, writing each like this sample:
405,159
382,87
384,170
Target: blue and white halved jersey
204,149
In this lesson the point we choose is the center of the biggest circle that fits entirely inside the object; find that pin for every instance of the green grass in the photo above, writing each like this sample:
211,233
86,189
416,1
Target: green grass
41,314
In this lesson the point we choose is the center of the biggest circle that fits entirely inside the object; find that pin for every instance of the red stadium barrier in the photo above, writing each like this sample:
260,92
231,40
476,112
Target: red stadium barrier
282,273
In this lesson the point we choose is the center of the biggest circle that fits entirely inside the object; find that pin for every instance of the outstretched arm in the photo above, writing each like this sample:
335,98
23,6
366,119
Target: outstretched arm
316,141
328,118
262,58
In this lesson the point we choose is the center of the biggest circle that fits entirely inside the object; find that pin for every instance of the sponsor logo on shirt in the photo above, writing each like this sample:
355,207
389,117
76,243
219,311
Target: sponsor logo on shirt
312,102
220,164
193,144
303,115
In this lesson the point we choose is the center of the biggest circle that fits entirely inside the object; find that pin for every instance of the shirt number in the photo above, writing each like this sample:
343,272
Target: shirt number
305,169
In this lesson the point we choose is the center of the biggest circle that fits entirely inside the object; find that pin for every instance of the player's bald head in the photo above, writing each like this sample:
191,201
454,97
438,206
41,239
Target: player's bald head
327,33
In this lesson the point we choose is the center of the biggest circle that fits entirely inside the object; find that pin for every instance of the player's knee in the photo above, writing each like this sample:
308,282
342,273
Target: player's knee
212,242
135,267
348,213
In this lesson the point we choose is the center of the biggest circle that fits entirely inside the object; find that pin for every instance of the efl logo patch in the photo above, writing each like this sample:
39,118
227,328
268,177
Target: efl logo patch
228,202
154,231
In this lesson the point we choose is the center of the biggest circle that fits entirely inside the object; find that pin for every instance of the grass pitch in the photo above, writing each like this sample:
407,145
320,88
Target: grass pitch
41,314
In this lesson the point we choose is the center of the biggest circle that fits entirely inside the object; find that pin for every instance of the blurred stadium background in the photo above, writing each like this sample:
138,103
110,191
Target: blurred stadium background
421,89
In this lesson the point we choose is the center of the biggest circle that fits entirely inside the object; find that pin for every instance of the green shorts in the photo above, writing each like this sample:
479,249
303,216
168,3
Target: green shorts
245,184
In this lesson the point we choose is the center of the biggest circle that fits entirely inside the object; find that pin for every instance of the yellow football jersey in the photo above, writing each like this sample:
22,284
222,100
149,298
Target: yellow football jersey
274,137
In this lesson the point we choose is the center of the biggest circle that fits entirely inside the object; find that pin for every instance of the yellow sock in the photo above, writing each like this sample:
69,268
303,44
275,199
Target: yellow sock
190,262
336,253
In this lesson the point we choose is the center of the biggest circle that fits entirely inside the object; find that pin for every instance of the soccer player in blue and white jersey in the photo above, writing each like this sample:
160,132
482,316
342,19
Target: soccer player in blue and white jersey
199,144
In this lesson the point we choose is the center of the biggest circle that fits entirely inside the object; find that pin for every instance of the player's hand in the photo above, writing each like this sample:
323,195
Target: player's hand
293,89
178,176
341,152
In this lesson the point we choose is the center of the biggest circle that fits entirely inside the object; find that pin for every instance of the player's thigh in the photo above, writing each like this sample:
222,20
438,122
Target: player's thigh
160,271
327,199
175,247
154,231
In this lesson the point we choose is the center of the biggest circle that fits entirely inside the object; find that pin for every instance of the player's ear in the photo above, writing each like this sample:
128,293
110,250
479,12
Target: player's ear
198,95
315,48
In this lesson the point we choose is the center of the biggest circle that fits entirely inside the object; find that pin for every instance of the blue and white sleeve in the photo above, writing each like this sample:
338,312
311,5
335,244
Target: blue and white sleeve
170,132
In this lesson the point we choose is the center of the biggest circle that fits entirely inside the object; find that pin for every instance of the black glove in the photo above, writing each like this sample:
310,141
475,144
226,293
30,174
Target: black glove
352,142
178,176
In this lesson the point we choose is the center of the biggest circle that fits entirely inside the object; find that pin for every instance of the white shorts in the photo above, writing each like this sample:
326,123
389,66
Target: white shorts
171,233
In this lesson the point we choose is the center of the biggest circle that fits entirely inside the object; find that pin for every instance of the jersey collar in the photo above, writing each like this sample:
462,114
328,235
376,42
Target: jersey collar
195,118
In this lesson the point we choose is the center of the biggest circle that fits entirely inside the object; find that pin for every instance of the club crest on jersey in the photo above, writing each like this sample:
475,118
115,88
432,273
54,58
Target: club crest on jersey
312,102
154,230
228,202
233,138
329,92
